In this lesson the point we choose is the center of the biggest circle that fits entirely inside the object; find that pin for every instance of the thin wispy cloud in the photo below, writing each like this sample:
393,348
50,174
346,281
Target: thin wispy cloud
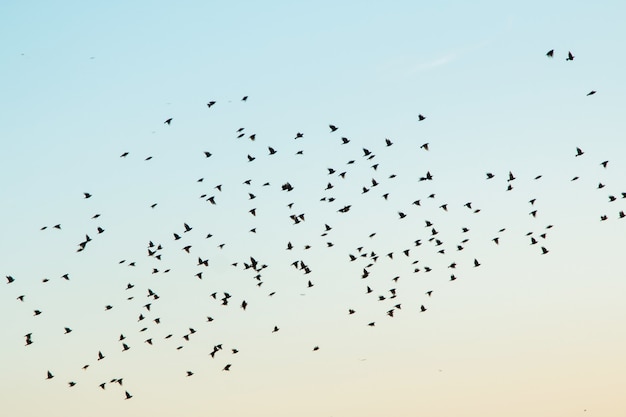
447,58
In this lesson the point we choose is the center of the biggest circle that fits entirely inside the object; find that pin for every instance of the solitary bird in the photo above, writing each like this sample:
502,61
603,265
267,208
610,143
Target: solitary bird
550,53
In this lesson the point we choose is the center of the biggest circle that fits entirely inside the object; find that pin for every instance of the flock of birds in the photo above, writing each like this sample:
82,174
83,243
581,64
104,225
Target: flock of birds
366,258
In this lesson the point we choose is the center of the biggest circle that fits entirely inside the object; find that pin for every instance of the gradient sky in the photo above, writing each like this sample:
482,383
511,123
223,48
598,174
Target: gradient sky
522,334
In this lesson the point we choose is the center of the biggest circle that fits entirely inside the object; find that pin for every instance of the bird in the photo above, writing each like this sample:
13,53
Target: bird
592,92
332,128
168,121
87,195
579,152
421,117
570,57
49,375
128,396
550,53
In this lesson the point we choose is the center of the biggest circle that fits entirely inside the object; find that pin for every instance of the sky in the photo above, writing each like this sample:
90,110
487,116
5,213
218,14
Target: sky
523,332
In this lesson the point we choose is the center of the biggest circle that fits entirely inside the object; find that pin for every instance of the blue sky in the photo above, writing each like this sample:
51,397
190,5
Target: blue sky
523,332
